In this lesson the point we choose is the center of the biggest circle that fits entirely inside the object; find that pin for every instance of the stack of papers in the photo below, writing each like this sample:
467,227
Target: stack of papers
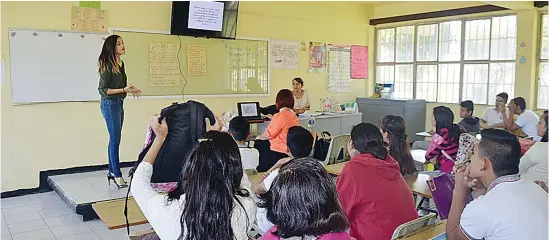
424,134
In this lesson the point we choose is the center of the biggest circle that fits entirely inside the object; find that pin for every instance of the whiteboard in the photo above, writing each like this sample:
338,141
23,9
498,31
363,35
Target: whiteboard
54,66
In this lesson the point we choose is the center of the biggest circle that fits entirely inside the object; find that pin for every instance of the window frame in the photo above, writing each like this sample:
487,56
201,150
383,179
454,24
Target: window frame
462,62
540,59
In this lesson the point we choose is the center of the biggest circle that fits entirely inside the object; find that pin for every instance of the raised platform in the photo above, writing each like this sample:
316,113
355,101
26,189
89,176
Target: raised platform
80,190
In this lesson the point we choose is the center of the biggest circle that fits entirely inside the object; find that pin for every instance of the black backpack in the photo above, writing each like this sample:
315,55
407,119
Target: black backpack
322,145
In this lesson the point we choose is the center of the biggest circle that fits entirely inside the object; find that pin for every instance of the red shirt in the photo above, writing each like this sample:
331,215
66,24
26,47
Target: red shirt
375,197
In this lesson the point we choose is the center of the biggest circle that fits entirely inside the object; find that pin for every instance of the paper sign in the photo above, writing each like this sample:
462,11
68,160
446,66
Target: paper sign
284,54
164,65
359,62
88,19
196,60
90,4
317,57
339,68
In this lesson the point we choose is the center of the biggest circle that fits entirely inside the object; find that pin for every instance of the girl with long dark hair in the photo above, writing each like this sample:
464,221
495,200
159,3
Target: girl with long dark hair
212,199
393,130
442,150
113,88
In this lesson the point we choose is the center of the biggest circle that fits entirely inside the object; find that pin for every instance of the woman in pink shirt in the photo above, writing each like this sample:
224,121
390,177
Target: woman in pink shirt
277,131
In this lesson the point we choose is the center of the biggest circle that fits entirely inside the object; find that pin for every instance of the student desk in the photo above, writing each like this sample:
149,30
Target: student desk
427,232
334,123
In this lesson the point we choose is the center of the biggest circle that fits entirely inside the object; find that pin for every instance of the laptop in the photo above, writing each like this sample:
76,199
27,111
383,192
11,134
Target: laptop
250,111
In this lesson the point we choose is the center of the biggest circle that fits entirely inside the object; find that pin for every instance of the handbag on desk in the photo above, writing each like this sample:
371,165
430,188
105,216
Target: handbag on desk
442,189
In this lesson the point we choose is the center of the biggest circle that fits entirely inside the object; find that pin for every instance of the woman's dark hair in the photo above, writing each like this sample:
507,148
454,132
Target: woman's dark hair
444,118
284,98
299,80
107,58
303,201
210,179
368,139
399,148
545,137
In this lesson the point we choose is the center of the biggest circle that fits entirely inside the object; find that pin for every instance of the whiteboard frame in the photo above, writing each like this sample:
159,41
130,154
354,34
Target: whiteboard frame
188,96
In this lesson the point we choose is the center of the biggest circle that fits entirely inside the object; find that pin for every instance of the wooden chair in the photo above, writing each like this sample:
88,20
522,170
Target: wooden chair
414,225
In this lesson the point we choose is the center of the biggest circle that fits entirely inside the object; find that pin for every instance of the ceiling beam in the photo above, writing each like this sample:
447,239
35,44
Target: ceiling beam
513,5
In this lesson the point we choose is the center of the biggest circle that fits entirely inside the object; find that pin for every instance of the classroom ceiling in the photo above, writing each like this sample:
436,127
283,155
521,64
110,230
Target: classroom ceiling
379,3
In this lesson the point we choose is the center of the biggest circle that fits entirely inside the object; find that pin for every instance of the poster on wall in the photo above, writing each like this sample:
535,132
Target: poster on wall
164,65
317,57
284,54
359,62
88,19
339,68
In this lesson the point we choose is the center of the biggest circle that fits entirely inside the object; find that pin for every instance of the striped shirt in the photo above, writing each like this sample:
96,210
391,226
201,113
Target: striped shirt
442,141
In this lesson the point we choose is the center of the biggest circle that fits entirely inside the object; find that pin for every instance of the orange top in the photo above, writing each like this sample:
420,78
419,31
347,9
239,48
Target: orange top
277,131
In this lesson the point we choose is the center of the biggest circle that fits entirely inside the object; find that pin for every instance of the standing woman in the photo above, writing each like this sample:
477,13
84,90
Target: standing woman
301,97
113,88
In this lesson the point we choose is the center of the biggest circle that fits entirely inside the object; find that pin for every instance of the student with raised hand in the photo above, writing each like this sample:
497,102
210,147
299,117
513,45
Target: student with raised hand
303,204
442,150
505,207
393,130
212,199
534,163
526,121
373,193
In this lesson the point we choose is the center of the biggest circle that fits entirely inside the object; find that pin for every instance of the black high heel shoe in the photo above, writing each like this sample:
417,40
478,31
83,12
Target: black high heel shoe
120,185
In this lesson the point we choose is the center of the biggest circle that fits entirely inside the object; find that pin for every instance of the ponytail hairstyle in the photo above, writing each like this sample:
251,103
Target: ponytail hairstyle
367,139
108,61
210,179
444,118
399,148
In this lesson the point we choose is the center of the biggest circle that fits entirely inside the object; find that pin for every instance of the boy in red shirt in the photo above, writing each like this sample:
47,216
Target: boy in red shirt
373,193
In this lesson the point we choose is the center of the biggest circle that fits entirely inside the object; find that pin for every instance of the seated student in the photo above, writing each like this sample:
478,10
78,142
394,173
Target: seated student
533,164
470,123
393,129
303,204
510,208
211,201
492,117
526,121
239,129
442,150
373,193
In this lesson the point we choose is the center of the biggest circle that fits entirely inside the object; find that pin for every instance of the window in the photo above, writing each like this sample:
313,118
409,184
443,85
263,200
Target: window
450,61
248,67
543,80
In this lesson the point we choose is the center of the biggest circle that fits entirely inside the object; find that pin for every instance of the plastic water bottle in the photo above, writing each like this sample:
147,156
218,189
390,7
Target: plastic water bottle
311,123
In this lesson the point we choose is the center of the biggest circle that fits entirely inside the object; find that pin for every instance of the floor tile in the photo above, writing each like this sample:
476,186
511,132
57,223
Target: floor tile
63,220
44,234
15,202
5,230
117,234
18,210
82,236
27,226
2,220
141,227
6,237
56,212
45,198
19,218
97,225
40,206
69,230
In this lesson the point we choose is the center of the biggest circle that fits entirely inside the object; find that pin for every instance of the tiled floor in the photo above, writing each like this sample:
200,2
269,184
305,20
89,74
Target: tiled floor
44,216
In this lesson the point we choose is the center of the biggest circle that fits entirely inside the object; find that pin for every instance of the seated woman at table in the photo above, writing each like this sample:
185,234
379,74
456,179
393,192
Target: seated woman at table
277,131
534,164
373,193
212,199
303,204
393,129
442,150
301,96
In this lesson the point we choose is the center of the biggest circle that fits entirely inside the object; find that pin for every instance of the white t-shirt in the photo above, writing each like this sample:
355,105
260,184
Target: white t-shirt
534,164
249,157
528,122
509,211
303,102
492,116
261,216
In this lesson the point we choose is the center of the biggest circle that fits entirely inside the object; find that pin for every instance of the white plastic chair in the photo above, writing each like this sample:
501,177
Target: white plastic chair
414,225
337,144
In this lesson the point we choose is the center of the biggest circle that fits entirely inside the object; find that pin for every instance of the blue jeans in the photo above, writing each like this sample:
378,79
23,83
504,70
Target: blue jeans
113,112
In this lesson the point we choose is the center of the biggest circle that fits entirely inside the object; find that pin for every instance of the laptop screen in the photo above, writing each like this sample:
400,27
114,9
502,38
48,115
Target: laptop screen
249,110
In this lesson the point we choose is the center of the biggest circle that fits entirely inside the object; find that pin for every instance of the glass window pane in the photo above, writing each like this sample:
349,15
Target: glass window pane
502,79
386,45
405,44
475,83
504,38
543,88
448,83
404,81
545,37
450,41
427,39
385,74
426,87
477,39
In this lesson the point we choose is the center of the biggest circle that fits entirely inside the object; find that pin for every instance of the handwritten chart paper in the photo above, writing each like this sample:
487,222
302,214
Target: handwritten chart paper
359,62
317,57
284,54
164,65
196,60
339,68
88,19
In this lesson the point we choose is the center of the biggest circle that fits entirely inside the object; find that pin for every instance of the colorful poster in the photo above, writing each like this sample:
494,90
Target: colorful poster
317,57
359,62
88,19
164,65
196,60
284,54
339,68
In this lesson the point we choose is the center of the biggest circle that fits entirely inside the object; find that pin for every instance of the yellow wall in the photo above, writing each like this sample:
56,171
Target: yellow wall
62,135
528,21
